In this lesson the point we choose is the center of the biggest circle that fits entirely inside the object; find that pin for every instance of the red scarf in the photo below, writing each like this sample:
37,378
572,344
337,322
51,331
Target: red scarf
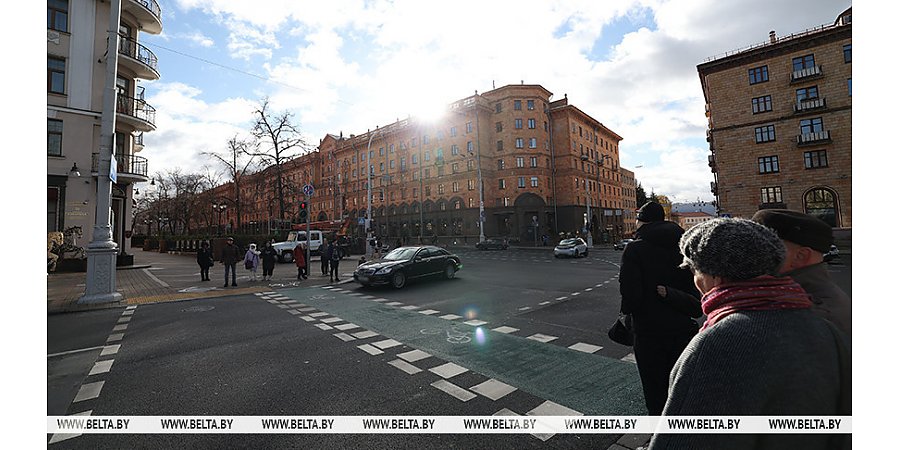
765,293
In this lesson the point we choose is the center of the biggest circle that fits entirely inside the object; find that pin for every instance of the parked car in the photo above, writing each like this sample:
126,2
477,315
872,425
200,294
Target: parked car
832,254
622,244
575,247
403,264
493,243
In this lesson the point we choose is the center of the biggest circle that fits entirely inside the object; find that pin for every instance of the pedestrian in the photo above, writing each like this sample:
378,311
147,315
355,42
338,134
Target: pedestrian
662,327
325,262
300,261
204,260
269,257
807,239
334,256
251,261
230,255
762,351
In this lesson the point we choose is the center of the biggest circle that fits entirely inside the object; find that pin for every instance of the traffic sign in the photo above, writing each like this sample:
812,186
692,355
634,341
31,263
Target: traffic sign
308,190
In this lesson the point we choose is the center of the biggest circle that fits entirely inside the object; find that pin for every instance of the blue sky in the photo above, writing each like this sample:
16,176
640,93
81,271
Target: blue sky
349,66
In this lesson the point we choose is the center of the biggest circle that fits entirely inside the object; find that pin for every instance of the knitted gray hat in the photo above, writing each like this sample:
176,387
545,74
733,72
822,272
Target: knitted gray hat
735,249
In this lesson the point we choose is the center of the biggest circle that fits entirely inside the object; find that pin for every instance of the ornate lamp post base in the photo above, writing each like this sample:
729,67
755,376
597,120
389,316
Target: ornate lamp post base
101,281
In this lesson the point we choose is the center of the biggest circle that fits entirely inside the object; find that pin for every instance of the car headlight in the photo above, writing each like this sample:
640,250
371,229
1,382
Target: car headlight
384,270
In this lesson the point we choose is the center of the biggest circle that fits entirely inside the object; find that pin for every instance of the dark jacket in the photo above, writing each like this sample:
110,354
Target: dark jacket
269,256
231,254
761,363
205,257
649,261
829,301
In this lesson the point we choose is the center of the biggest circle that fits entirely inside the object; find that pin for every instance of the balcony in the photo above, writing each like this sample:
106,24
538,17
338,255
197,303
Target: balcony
135,112
814,138
147,13
138,144
809,105
129,168
805,74
138,59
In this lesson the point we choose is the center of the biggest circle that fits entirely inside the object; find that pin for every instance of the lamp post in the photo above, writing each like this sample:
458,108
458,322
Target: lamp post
599,161
369,168
477,156
590,237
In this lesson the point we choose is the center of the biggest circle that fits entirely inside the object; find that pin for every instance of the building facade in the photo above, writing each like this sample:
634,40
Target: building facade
76,41
780,131
538,164
690,219
629,203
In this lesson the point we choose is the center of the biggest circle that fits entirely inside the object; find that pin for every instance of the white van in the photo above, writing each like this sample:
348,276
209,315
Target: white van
285,249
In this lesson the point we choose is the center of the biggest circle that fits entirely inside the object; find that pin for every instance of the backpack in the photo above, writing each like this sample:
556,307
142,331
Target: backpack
335,253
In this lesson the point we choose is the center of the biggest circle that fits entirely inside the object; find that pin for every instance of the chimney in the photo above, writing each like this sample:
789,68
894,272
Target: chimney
772,38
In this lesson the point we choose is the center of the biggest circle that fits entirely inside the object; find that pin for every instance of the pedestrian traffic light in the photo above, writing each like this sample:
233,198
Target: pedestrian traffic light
304,211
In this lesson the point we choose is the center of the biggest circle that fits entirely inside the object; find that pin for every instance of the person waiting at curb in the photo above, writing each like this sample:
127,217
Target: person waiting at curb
230,256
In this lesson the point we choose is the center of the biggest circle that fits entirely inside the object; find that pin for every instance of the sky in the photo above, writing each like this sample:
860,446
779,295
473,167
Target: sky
349,66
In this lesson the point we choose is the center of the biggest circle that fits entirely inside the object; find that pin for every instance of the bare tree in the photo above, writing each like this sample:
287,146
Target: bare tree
238,161
282,142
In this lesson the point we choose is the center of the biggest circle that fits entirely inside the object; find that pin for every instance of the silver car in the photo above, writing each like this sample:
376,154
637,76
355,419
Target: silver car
574,247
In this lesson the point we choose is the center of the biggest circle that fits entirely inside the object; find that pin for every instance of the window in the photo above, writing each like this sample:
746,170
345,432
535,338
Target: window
454,149
520,143
815,159
54,137
534,182
770,194
500,164
765,134
392,164
803,62
362,157
415,159
56,75
468,127
532,124
415,193
759,74
402,163
810,93
440,153
470,147
501,183
534,161
500,145
521,182
498,107
470,165
452,131
517,105
531,105
520,161
518,124
427,191
454,167
427,155
762,104
499,126
58,15
847,54
440,189
392,148
849,86
808,126
768,164
505,201
471,185
381,151
532,143
427,173
456,186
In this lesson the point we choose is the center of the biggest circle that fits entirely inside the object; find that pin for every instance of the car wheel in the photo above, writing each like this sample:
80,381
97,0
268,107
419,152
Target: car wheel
398,280
449,272
287,257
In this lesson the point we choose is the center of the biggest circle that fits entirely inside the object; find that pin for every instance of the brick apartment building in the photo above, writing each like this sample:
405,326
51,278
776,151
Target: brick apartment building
780,124
540,162
629,202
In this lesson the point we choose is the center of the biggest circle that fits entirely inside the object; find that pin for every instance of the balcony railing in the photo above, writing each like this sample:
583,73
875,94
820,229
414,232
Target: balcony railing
811,104
151,6
808,72
125,164
136,107
816,137
131,48
139,140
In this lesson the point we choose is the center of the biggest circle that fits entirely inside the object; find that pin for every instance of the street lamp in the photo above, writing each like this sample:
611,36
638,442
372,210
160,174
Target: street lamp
369,169
219,208
590,237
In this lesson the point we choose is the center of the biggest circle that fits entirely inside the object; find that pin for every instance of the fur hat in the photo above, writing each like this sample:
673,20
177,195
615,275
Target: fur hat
651,212
252,246
796,227
735,249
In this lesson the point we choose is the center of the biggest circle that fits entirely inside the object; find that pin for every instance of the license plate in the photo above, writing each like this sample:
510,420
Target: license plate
362,278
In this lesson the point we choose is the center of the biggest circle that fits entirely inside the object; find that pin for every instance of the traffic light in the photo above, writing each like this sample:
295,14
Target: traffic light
304,211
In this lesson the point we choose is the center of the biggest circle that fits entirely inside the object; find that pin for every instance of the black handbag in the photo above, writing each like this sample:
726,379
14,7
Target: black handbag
621,331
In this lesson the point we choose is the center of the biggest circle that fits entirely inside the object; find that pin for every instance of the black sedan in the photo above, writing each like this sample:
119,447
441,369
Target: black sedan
495,244
408,263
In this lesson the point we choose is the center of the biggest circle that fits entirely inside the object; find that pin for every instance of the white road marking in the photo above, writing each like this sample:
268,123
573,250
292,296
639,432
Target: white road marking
429,312
101,367
405,366
451,317
161,282
629,358
332,320
307,309
131,307
576,293
283,306
549,408
588,289
53,355
128,312
505,329
414,355
308,319
344,337
563,297
475,323
587,348
379,299
318,314
410,307
542,338
115,337
110,350
120,327
448,370
58,437
386,344
346,326
493,389
524,308
88,391
365,334
369,349
322,326
294,312
453,390
543,303
394,304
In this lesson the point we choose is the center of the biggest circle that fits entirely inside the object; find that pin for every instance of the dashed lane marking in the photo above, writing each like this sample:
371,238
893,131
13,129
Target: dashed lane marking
505,329
324,327
475,323
365,334
429,312
369,349
405,366
386,344
586,348
493,389
414,355
542,338
450,317
88,391
346,326
448,370
110,350
101,367
453,390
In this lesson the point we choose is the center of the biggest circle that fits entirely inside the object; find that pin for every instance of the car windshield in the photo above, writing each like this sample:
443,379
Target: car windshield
569,242
400,254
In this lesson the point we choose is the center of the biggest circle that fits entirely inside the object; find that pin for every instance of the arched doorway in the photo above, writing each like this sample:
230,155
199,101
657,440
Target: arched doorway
822,203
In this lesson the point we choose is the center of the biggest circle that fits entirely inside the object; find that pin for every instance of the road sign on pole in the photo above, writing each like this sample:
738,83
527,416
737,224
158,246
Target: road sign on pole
309,190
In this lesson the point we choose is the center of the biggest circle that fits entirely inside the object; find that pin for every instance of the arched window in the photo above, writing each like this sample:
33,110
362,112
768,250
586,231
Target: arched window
821,202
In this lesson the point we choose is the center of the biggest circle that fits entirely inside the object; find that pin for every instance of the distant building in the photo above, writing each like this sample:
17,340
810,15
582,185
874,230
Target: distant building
689,219
629,202
780,131
76,72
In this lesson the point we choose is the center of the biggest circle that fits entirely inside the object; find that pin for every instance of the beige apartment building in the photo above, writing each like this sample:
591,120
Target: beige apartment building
780,132
629,203
76,73
542,163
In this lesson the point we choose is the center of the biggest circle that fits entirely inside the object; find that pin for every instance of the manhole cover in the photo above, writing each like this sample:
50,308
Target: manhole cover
198,309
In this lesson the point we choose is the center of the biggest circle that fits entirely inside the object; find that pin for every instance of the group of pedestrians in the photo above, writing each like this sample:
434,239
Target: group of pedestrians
776,335
266,258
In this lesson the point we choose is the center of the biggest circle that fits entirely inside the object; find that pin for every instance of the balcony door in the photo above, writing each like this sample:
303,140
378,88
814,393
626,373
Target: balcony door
822,203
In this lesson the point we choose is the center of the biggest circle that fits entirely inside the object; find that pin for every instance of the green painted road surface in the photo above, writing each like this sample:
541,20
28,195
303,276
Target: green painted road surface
591,384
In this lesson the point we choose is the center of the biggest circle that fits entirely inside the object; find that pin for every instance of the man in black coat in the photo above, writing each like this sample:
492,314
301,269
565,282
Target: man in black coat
663,326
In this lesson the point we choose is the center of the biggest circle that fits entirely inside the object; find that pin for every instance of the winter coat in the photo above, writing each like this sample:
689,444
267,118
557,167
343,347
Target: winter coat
829,301
761,363
205,257
334,252
300,255
269,256
251,259
649,261
230,254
